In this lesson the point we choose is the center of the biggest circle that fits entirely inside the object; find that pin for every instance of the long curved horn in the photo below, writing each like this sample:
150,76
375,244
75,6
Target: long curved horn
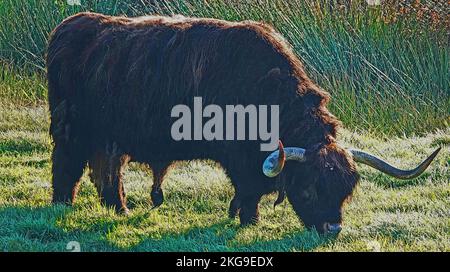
379,164
274,163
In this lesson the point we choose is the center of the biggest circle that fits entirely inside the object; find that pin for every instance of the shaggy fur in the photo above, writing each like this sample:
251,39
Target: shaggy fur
113,82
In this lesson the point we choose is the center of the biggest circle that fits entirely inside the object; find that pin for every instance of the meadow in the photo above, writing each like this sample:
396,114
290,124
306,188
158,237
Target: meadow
389,77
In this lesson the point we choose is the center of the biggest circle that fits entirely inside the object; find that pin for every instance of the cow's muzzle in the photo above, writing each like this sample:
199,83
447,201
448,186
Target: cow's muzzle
274,163
332,229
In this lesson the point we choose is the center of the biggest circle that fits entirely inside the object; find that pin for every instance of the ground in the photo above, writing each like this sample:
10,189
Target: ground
384,214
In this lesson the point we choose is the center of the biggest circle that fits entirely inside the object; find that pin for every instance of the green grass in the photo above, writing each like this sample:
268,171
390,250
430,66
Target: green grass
359,58
392,214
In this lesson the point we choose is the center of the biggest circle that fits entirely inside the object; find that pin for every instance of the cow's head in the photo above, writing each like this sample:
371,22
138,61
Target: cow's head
320,179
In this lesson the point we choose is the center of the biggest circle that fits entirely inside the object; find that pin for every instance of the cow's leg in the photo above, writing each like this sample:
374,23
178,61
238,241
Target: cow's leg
68,155
235,206
107,174
247,195
246,204
249,209
67,168
99,169
159,171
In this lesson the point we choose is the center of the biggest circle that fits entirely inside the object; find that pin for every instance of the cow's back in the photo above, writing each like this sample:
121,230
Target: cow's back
123,76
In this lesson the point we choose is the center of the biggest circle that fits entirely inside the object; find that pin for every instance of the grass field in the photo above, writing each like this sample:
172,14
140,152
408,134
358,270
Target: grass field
390,85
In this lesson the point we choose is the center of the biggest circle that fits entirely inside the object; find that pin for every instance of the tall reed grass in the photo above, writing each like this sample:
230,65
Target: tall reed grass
385,75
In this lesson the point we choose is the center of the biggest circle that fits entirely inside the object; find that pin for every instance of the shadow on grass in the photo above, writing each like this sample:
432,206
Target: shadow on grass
38,229
8,147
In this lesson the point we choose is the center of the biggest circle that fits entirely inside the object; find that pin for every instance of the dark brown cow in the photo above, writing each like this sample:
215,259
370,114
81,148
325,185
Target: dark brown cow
113,82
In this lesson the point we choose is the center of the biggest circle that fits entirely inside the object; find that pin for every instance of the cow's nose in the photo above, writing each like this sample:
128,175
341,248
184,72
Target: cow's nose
333,228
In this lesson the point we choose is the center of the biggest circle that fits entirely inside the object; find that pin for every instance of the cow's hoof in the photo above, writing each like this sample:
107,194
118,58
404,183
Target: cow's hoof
124,211
251,222
248,220
157,196
232,213
62,201
120,210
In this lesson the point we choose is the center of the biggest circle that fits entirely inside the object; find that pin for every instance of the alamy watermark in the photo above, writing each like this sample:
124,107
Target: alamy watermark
74,2
73,246
229,125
